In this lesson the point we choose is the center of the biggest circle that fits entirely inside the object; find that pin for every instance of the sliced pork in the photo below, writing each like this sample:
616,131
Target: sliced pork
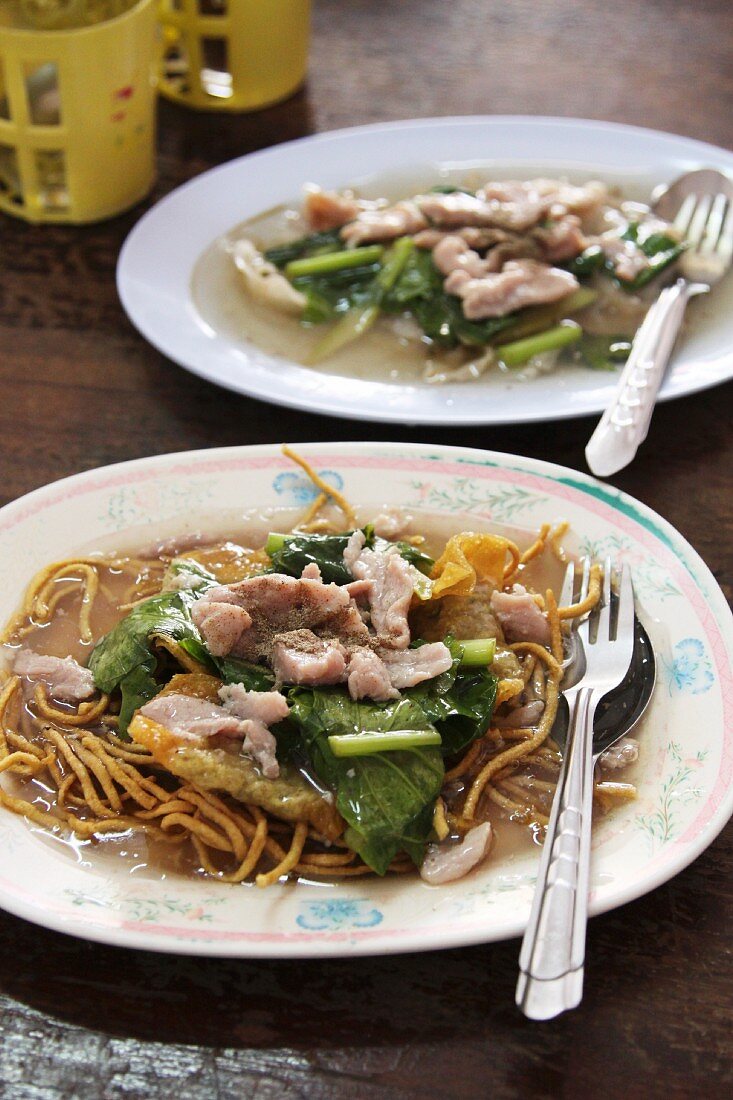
189,718
407,667
65,678
368,677
391,587
384,225
473,235
244,715
620,755
221,623
258,710
520,617
301,657
448,862
521,283
329,209
627,258
515,211
276,604
392,523
560,240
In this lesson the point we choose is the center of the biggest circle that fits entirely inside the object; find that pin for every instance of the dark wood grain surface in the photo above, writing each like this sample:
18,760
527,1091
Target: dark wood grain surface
80,388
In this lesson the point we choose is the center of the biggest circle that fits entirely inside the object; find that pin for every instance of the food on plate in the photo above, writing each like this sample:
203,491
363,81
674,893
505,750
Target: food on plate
333,700
506,274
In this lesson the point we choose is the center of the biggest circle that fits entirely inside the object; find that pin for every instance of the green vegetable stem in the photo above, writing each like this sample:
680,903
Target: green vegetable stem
358,320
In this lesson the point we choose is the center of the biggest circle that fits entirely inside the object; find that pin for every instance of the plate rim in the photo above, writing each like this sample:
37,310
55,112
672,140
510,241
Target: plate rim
310,399
435,939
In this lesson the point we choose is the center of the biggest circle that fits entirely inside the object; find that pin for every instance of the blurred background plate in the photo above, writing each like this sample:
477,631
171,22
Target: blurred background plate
157,262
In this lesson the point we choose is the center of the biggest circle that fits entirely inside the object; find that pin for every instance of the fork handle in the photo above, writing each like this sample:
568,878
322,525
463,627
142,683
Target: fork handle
625,423
553,948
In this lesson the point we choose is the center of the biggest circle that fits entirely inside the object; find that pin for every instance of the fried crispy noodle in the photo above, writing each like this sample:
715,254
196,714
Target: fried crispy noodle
102,784
327,492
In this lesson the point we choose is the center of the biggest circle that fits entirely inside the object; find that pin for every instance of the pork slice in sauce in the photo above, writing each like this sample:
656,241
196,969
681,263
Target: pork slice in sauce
65,678
243,715
520,617
258,710
516,211
368,677
448,862
627,258
221,623
329,209
392,523
392,584
301,657
560,240
277,604
519,284
407,667
473,235
192,719
384,225
620,755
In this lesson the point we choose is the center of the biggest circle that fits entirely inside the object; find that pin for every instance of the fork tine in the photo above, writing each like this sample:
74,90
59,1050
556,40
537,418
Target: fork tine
684,214
584,589
709,242
603,611
625,624
725,244
568,586
698,220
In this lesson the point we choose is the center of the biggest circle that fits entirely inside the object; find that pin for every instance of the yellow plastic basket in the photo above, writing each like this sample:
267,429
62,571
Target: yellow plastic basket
77,112
233,55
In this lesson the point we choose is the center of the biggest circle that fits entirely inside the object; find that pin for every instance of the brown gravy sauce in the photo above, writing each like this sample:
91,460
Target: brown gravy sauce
149,858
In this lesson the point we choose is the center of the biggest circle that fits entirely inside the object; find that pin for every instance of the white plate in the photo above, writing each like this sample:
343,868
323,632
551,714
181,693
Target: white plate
684,775
154,274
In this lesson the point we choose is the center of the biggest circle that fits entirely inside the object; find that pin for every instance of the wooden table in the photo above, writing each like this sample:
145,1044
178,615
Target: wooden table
81,388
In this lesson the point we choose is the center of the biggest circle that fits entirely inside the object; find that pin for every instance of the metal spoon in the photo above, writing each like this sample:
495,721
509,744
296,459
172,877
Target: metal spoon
620,710
700,206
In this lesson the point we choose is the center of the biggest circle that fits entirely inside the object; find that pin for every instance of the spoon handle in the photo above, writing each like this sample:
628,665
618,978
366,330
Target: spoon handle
553,948
625,423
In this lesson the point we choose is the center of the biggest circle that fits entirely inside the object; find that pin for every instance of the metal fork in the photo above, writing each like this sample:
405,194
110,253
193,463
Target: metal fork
553,949
701,204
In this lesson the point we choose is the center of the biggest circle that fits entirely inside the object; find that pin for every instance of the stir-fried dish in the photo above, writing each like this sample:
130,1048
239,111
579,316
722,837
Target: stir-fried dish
509,274
334,701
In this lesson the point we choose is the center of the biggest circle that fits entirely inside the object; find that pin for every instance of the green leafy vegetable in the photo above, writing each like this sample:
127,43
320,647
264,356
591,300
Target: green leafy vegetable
363,744
361,317
386,798
604,352
440,315
449,189
591,259
520,351
312,245
324,264
660,249
124,657
537,319
137,689
233,670
291,553
477,652
459,702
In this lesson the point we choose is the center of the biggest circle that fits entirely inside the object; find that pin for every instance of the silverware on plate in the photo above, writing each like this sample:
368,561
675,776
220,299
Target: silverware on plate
700,206
553,949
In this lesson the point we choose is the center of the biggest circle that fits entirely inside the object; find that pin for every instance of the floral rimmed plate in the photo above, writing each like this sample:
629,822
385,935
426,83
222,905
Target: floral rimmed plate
158,284
684,775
